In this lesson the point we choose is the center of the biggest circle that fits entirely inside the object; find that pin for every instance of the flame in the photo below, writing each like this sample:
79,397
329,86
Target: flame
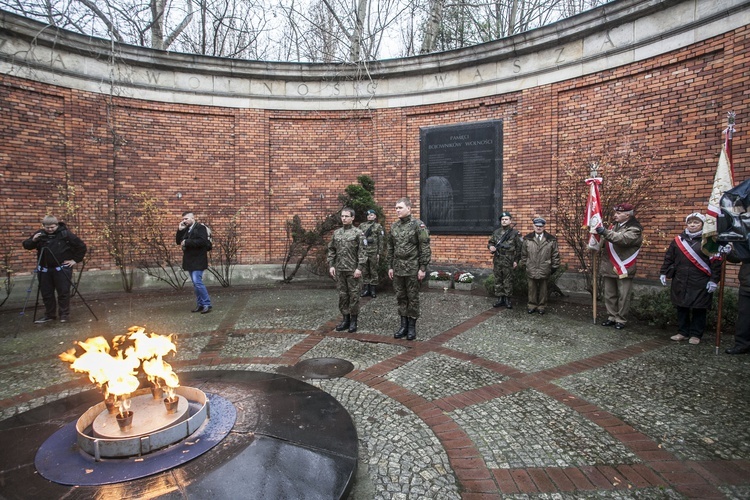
116,374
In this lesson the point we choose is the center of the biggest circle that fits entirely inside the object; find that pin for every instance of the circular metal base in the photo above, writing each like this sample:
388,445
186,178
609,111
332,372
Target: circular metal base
323,368
61,460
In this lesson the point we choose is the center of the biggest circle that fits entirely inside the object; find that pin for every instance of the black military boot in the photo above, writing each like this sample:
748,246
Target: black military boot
372,291
401,333
508,303
500,302
353,324
411,332
365,291
344,323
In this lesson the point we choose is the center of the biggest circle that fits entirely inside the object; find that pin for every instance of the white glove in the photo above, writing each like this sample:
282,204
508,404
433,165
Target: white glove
663,279
725,249
711,287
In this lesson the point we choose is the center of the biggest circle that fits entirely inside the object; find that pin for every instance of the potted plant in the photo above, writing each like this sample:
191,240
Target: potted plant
463,280
440,279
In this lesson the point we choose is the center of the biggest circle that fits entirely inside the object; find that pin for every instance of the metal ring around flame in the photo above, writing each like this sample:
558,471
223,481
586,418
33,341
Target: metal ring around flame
99,447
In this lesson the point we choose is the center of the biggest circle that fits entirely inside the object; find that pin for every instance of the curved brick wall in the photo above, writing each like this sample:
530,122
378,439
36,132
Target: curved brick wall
277,139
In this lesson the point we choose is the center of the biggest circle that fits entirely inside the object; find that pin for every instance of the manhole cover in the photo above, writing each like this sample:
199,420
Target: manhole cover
323,368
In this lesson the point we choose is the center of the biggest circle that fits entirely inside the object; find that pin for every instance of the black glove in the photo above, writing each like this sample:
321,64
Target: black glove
600,230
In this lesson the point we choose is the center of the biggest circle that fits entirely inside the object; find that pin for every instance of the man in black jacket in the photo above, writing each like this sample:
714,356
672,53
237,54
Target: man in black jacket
193,238
58,250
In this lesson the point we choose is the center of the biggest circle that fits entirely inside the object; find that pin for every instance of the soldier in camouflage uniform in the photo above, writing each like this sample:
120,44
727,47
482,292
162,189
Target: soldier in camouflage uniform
374,236
346,256
505,246
408,256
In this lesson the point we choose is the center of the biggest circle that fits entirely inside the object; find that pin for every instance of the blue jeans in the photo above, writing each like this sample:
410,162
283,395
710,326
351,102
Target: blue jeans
201,294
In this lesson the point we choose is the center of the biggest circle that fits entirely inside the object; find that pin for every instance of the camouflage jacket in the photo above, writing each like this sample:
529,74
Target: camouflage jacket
408,247
346,250
373,240
509,251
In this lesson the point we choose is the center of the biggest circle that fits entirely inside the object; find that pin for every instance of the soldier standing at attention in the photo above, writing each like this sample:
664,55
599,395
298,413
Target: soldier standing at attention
374,236
408,256
505,246
346,256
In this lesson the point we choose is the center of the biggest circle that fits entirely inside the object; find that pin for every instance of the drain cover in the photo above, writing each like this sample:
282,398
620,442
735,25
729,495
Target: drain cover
323,368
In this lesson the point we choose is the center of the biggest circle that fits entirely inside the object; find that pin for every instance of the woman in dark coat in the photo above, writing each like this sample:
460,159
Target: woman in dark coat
694,278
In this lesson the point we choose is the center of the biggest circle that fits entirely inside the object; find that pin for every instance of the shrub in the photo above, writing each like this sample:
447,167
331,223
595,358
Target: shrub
655,307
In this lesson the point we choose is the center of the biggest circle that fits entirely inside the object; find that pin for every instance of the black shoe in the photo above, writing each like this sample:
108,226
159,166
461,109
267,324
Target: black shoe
737,350
344,325
499,303
206,309
197,309
609,322
507,303
353,324
64,319
372,291
530,311
401,332
365,291
619,326
541,311
411,332
44,319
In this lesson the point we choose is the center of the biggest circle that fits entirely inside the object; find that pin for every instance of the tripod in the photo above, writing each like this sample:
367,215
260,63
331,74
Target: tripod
43,250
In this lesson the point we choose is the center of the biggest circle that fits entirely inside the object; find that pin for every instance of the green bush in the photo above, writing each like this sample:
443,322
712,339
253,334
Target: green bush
655,307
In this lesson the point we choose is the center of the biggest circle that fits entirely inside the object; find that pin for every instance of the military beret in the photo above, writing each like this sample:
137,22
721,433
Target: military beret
624,207
505,214
538,221
371,211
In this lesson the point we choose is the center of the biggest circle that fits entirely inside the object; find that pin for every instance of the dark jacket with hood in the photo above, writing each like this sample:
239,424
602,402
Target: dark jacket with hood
53,249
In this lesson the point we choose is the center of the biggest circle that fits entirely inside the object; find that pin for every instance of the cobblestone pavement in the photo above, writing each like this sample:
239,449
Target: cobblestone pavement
487,403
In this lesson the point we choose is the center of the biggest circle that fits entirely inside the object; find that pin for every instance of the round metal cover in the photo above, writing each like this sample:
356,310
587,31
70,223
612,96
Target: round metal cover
323,368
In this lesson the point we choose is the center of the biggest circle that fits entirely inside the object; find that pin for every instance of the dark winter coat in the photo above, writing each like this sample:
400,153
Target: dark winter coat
689,282
195,254
59,246
541,259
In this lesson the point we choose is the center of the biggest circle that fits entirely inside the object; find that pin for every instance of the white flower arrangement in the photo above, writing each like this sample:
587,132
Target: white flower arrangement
465,278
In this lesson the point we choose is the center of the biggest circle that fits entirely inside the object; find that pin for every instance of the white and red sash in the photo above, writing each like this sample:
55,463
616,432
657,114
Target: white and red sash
692,256
621,265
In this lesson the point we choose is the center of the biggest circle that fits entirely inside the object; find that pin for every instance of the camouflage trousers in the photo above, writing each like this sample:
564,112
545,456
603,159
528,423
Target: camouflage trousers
503,273
370,271
407,295
348,287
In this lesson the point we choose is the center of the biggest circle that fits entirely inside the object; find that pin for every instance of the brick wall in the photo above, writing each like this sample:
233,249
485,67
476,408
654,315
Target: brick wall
271,165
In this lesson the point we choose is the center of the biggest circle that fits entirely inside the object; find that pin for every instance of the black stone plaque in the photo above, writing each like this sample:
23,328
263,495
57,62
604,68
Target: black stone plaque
461,172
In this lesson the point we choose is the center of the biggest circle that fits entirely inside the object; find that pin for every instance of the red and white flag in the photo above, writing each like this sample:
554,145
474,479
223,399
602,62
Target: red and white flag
593,213
723,181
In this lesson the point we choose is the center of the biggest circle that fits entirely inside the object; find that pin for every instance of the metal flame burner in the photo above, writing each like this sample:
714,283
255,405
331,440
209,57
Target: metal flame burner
156,442
153,427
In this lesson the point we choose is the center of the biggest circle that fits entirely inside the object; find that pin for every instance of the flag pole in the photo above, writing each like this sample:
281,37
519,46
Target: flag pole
728,136
593,283
593,174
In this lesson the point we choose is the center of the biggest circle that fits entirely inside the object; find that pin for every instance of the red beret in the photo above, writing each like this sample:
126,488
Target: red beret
624,207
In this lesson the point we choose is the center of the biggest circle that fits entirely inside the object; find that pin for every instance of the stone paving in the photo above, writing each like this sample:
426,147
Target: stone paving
487,403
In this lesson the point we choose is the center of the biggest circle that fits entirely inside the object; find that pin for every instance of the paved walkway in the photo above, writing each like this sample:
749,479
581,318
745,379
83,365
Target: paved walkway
487,403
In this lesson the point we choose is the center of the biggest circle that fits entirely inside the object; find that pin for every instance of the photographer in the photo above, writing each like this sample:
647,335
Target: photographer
58,250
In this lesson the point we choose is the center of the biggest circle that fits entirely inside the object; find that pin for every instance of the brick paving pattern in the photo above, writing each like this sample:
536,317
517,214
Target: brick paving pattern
487,403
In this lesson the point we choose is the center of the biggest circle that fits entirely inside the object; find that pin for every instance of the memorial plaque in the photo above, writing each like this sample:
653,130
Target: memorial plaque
461,172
